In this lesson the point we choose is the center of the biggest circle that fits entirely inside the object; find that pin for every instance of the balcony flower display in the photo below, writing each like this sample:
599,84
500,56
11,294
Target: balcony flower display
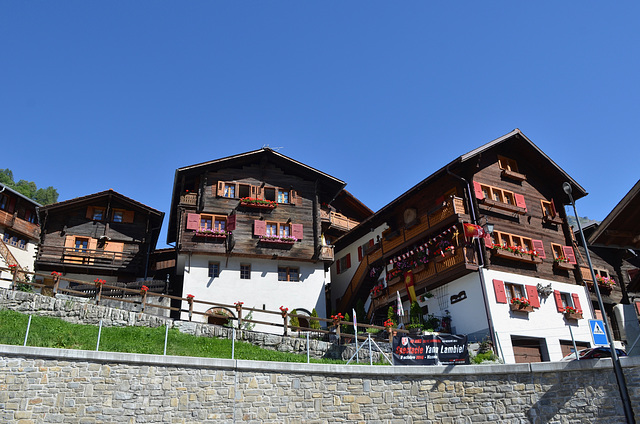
98,282
521,304
144,289
572,313
377,290
337,318
389,324
211,233
394,273
257,203
519,250
605,284
278,239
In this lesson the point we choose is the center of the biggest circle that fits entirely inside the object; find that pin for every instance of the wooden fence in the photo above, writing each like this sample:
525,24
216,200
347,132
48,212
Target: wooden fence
129,293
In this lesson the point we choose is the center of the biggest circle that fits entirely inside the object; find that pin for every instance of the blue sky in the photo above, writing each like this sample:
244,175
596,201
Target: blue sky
380,94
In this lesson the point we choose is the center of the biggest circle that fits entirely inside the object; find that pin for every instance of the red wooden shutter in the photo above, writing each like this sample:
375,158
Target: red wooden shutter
568,253
532,295
576,301
501,295
338,266
297,231
220,189
488,241
559,306
89,212
231,222
371,243
259,228
520,201
12,205
128,216
193,221
538,246
440,200
477,188
359,253
598,313
348,260
553,209
638,307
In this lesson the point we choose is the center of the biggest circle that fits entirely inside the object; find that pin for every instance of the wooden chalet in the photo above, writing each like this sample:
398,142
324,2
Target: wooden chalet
512,193
258,216
20,229
105,234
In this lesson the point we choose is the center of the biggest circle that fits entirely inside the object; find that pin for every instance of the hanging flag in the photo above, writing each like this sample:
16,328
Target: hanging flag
400,308
473,231
409,284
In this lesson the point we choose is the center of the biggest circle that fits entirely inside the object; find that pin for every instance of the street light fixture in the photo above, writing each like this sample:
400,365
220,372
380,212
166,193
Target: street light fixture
617,368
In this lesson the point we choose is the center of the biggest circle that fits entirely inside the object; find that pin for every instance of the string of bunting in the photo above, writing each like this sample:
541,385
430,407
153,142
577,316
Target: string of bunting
424,247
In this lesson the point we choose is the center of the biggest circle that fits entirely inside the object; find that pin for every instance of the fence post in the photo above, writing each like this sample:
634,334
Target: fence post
14,269
190,300
239,311
144,297
285,317
56,282
99,294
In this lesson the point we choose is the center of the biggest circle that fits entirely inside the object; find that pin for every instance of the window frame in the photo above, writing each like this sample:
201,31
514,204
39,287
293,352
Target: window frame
510,290
288,272
214,220
505,197
116,213
82,249
283,194
4,201
213,269
279,227
245,271
498,236
95,211
508,164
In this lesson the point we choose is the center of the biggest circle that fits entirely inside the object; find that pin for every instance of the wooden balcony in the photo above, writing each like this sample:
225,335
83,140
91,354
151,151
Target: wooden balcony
454,207
11,221
326,253
337,220
68,256
431,276
190,199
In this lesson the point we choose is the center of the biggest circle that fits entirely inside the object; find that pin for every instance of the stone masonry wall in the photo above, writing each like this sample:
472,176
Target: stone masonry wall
43,385
80,311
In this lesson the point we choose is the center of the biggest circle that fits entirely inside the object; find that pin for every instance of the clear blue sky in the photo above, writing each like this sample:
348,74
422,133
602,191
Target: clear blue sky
380,94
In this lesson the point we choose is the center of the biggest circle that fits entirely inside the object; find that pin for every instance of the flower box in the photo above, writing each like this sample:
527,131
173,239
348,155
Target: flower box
513,175
277,241
502,253
573,315
442,258
566,266
393,281
258,204
211,234
518,307
606,290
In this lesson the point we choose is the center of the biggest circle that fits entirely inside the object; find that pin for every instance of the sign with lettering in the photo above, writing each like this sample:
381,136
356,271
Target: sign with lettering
430,350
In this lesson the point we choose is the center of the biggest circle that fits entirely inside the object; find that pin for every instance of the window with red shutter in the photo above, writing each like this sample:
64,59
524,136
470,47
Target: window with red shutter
477,188
360,254
520,201
576,301
193,221
231,222
297,231
498,288
532,295
259,228
538,246
568,253
558,297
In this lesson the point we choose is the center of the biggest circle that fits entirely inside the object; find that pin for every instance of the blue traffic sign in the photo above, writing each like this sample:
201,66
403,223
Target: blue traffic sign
598,333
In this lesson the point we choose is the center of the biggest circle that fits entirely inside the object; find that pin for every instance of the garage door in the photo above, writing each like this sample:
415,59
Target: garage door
526,350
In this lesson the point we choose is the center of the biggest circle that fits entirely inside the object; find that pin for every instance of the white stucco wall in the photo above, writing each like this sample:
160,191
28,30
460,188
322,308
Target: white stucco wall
263,290
544,323
25,258
339,282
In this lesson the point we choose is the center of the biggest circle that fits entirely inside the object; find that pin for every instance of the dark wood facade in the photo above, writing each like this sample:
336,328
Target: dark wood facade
508,183
215,211
19,226
104,234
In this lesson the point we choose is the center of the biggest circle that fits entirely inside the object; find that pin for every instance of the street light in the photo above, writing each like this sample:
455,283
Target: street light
622,385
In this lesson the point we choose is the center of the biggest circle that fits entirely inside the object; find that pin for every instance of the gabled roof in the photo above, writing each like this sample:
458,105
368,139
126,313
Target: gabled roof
4,187
98,196
331,185
621,228
557,173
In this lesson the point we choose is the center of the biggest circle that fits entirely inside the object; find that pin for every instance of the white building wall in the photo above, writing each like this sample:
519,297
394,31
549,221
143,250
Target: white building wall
340,282
25,257
262,290
544,323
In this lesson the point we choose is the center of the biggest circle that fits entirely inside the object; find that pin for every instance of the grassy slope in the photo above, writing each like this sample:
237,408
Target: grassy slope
54,332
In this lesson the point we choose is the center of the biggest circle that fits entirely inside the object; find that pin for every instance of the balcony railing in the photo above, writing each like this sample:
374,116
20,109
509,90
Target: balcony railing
190,199
87,257
453,206
326,253
337,220
430,275
19,225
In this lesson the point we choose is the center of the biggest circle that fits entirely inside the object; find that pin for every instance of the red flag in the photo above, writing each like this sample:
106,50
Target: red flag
472,230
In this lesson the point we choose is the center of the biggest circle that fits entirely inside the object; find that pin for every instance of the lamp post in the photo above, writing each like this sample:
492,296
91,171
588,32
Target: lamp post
622,385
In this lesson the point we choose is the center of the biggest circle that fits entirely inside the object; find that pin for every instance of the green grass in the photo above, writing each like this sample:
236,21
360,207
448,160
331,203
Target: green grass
54,332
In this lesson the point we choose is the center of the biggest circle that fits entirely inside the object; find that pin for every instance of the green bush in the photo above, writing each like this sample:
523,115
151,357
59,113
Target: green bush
313,323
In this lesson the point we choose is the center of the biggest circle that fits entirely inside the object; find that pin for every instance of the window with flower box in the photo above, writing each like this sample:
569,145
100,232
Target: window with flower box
549,212
286,273
563,256
516,247
514,293
494,197
237,190
277,231
568,303
510,168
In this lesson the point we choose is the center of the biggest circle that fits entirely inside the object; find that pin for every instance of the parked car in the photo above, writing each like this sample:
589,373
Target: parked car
594,353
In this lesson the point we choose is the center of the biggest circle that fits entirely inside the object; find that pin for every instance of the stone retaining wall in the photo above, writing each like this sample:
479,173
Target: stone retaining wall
43,385
81,311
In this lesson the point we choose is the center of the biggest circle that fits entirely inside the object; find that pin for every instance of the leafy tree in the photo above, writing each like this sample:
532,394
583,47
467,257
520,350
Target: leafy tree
46,196
293,321
391,314
27,188
6,177
313,323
